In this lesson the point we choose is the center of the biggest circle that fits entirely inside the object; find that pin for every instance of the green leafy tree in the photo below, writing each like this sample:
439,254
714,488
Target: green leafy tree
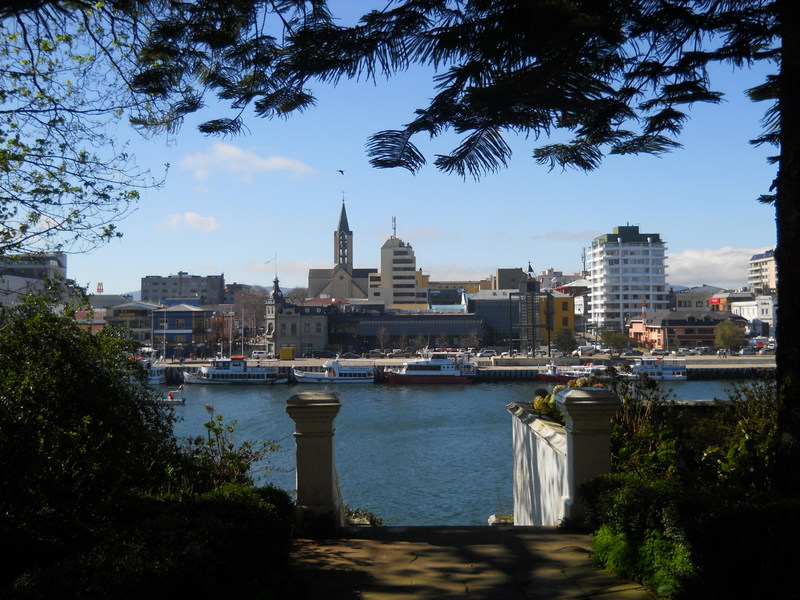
65,178
565,341
728,335
79,431
616,340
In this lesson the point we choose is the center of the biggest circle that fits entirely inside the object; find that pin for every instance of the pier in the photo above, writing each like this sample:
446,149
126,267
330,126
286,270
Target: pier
527,369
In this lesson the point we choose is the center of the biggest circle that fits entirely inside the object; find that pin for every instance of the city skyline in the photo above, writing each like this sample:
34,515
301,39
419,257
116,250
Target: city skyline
267,203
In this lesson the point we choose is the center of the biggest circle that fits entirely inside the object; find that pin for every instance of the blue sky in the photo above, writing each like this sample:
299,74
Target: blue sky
267,202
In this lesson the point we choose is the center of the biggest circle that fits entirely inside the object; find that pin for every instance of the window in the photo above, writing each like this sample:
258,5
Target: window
307,327
319,327
180,323
294,328
565,321
565,306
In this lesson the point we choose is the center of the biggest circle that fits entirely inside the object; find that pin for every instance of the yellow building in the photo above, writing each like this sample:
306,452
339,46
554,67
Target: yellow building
556,312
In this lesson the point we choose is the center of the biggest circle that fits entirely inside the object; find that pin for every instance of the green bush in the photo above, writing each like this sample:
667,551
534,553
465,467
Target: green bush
232,543
689,511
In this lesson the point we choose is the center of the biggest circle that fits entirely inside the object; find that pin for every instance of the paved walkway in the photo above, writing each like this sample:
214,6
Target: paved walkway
448,563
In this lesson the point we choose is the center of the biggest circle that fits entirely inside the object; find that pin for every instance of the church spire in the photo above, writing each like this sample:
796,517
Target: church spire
343,242
343,226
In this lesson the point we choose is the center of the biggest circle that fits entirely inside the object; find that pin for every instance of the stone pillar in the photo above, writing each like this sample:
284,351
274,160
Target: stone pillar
588,414
319,510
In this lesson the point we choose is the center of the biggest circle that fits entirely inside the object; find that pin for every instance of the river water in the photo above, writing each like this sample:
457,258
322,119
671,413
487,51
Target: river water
413,455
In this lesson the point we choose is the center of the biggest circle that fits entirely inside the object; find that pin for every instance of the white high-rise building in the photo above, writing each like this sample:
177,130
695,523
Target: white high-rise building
627,276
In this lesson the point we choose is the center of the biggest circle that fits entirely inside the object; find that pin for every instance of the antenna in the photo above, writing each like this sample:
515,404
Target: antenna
274,261
394,227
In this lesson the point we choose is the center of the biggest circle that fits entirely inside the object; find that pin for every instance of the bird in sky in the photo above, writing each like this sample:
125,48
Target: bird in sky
340,171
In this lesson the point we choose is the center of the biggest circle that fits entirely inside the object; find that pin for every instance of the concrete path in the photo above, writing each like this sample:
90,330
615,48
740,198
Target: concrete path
448,563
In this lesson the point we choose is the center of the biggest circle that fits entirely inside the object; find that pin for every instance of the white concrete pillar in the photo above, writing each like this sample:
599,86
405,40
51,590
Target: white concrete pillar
319,510
588,414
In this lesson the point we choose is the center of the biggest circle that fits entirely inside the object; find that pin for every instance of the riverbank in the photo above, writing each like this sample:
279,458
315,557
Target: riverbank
527,369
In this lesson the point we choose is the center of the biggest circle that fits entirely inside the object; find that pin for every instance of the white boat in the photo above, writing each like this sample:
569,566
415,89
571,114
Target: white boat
334,371
434,367
663,369
563,374
235,370
156,373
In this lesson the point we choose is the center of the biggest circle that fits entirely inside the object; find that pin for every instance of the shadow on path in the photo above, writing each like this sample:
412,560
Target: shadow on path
444,563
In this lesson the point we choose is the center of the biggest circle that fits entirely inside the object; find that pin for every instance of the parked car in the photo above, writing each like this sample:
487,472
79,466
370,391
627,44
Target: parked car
349,355
323,354
631,352
658,352
486,353
746,351
260,354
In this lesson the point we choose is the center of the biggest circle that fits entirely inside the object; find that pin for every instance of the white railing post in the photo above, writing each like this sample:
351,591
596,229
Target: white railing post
319,510
588,414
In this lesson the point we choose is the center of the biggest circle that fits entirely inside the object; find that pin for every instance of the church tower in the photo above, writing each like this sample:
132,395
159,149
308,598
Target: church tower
343,243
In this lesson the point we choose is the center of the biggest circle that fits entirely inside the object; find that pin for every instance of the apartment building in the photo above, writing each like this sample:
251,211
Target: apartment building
762,273
627,277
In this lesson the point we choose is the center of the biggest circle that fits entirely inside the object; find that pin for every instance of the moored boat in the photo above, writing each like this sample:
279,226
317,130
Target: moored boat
335,371
564,374
235,370
434,367
663,369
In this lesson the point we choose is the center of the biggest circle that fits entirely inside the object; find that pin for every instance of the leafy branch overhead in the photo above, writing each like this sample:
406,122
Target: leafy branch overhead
614,77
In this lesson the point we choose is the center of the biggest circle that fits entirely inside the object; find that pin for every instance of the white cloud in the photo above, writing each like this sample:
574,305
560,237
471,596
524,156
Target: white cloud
723,267
189,220
227,158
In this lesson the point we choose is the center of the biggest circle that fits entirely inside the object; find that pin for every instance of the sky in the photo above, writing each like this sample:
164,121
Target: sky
266,203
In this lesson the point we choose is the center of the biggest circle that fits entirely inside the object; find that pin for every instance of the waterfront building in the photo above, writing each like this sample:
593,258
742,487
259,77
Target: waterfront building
627,275
24,274
343,280
199,289
724,300
694,299
762,273
760,314
183,330
295,325
136,318
668,330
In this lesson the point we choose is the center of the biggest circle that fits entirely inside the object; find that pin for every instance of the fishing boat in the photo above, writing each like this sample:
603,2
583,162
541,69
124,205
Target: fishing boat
156,372
335,371
434,367
663,369
235,370
564,374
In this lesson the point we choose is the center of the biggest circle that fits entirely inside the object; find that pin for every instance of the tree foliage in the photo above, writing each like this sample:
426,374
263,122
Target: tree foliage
65,178
78,428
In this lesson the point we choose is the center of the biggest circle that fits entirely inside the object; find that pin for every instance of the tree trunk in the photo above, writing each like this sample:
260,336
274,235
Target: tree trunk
787,253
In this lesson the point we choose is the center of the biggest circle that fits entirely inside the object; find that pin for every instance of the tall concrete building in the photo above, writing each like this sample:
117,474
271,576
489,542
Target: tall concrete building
399,284
762,273
343,280
202,289
627,276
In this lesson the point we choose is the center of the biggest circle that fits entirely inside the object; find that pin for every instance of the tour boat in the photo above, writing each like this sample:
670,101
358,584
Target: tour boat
564,374
156,373
235,370
666,369
334,371
436,367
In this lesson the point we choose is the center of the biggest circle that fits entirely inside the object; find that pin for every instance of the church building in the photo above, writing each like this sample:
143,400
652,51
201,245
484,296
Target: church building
342,281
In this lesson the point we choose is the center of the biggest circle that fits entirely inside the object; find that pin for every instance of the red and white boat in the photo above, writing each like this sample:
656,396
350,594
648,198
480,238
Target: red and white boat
434,367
